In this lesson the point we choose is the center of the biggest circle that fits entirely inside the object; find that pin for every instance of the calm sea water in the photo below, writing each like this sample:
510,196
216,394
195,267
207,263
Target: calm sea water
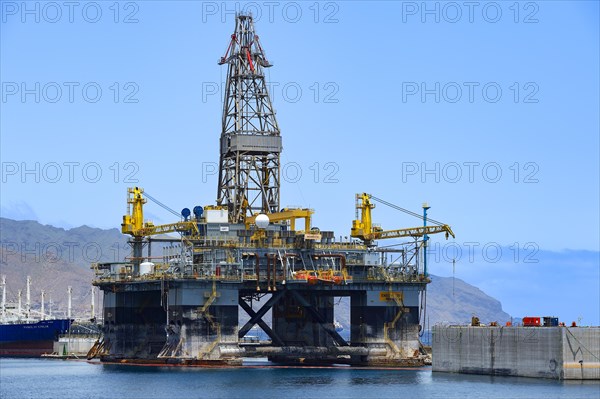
44,378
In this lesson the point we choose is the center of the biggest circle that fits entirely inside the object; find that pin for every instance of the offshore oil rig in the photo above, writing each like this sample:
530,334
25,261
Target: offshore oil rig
182,307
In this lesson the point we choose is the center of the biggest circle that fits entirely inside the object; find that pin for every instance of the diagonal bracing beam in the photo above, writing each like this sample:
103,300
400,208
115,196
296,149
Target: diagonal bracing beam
274,337
320,319
261,312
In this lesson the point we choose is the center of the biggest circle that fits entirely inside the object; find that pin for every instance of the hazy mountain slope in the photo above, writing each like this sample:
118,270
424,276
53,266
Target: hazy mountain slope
446,304
51,276
80,246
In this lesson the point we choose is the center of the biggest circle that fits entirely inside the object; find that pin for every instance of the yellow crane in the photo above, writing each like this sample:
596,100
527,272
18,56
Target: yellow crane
363,228
134,225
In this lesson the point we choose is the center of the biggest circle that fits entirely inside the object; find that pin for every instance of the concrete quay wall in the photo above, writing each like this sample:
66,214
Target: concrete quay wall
541,352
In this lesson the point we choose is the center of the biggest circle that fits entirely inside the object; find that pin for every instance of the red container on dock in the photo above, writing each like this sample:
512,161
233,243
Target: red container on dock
531,322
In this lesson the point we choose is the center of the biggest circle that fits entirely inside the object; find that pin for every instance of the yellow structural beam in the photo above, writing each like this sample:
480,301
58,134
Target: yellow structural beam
290,214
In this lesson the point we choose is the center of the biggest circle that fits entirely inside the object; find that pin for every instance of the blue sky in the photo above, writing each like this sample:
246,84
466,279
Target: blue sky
489,112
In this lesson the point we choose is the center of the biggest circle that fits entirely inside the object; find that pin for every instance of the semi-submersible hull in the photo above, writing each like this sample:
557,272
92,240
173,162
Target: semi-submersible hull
246,250
188,314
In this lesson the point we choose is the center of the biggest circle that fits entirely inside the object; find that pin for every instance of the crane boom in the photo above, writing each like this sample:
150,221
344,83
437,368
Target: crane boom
413,232
149,229
363,228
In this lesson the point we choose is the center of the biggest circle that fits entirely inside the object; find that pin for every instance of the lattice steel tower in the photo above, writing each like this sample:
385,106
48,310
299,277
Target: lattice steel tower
250,139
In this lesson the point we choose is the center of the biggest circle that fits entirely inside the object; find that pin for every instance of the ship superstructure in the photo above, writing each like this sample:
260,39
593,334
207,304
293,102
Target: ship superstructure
182,306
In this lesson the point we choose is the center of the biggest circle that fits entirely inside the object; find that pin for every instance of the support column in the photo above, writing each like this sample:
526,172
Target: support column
134,325
178,323
202,324
384,322
305,319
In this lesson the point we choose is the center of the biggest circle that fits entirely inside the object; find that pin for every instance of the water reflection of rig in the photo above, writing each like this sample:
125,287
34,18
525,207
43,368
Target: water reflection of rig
182,307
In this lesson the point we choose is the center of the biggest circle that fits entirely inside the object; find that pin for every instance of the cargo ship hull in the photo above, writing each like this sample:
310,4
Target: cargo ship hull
31,339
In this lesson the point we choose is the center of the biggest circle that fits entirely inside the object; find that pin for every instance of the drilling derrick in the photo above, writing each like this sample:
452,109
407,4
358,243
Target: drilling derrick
246,253
250,137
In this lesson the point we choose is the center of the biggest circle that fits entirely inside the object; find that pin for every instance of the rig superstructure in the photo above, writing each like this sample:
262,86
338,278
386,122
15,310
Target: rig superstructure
183,308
